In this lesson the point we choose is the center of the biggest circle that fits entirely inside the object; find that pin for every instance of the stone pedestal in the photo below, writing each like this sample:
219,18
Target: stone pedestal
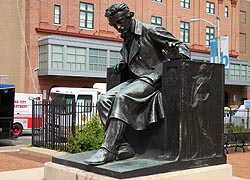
53,171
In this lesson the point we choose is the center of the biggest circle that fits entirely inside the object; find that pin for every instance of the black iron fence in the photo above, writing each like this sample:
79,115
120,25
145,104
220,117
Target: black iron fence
53,122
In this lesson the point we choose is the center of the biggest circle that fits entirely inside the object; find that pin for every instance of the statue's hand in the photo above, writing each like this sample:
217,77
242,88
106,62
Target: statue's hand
119,67
173,50
195,105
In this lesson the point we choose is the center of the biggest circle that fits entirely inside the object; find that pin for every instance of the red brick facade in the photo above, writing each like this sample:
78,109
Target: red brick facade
39,22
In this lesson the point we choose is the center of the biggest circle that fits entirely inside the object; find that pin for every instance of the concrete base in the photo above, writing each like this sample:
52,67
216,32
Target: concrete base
53,171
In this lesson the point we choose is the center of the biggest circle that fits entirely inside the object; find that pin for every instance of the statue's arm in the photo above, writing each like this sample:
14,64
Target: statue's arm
172,47
119,67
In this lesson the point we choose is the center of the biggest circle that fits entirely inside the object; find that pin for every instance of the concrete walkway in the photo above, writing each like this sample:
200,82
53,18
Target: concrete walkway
31,161
240,163
25,174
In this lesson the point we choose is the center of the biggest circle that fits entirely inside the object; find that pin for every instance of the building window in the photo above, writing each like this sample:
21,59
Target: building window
226,70
185,3
86,15
57,14
209,35
115,57
76,58
234,72
210,7
243,17
157,0
56,56
243,42
97,60
243,72
226,11
248,72
43,57
184,32
156,20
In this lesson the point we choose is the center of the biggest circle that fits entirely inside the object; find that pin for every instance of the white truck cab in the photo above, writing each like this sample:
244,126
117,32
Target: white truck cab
85,99
23,112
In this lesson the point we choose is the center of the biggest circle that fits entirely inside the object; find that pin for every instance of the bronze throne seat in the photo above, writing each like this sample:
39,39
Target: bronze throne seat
189,136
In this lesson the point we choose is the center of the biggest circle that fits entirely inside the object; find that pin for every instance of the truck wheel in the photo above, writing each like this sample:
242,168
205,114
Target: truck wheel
17,129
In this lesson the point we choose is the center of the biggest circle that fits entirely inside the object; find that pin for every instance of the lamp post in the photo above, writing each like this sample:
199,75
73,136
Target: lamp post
218,32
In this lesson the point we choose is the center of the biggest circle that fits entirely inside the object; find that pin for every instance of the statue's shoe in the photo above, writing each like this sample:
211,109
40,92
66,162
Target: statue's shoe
102,156
125,152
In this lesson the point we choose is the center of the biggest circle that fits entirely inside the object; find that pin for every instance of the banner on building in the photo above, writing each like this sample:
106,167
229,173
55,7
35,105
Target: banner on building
213,50
224,56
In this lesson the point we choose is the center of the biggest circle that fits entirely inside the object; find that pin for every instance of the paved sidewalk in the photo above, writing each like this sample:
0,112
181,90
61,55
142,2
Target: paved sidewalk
24,174
21,164
27,164
240,162
20,160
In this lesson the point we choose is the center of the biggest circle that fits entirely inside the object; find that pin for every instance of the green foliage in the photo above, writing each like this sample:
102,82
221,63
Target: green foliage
237,133
236,129
90,138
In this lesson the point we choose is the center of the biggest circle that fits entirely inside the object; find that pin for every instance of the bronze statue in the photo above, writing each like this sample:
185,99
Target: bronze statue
134,103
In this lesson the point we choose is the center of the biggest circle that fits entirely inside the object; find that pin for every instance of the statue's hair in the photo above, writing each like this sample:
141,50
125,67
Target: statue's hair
118,7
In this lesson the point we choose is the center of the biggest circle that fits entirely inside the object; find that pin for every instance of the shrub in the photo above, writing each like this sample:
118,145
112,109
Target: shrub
236,129
90,138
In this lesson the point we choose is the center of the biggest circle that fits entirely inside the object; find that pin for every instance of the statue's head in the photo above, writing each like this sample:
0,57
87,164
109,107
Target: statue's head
204,69
119,16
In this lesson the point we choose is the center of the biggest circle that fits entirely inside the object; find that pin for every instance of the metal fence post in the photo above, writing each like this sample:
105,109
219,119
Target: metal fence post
33,121
248,118
53,124
46,124
73,117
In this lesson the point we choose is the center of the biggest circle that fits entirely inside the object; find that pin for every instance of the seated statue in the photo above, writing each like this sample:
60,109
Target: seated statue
135,102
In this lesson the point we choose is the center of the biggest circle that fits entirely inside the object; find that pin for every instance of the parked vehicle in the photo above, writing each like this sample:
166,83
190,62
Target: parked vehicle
85,99
23,113
7,95
241,117
102,87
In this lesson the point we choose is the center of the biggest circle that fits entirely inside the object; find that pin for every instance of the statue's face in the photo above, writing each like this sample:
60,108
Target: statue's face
203,69
120,22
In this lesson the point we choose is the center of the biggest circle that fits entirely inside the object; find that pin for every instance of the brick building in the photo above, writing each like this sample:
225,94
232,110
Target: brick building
50,43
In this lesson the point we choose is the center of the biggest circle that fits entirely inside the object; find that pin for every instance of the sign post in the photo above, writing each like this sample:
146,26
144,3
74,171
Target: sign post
247,106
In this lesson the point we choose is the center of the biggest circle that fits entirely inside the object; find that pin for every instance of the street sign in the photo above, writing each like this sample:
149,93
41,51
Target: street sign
247,104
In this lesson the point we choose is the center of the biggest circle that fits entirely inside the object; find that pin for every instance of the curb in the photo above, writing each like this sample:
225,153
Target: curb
41,152
237,178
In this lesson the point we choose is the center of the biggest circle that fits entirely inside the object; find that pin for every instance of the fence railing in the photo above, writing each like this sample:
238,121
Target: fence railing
53,123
